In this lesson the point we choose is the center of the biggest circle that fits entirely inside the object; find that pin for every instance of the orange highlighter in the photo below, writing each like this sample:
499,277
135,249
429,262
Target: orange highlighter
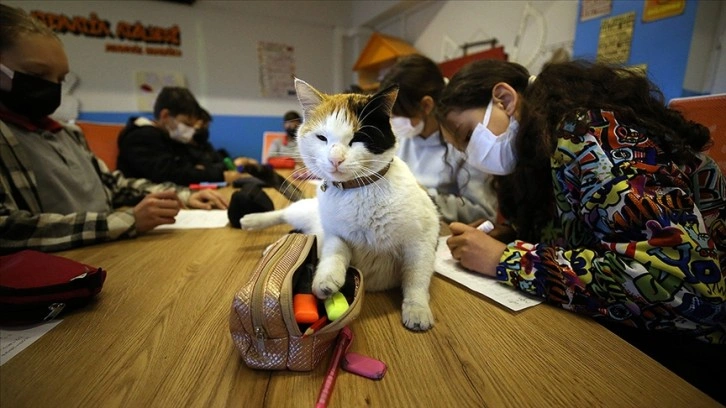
304,303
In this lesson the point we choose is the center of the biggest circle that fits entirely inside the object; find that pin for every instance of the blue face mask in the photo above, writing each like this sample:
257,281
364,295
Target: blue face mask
29,95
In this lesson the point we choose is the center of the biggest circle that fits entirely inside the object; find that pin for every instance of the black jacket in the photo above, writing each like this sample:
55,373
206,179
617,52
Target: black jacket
148,152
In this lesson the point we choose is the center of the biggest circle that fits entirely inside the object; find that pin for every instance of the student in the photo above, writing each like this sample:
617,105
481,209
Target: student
159,149
287,148
618,214
203,151
54,193
461,192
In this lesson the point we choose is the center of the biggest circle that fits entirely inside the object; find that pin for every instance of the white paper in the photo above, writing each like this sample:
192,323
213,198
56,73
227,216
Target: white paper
449,267
13,341
187,219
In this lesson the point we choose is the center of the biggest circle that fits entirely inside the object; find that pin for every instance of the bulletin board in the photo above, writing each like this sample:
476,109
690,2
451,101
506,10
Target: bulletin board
616,35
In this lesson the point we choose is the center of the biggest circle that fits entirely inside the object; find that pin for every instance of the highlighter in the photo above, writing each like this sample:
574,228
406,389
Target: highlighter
335,306
229,164
304,303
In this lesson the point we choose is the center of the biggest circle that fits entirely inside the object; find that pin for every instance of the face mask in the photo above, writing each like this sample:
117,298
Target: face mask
491,153
201,135
402,128
182,133
29,95
291,133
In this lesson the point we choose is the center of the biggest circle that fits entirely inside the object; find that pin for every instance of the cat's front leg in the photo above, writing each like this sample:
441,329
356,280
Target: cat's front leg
330,273
416,279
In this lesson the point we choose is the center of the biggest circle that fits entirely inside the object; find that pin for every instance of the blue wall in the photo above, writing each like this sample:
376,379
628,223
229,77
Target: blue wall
663,44
239,135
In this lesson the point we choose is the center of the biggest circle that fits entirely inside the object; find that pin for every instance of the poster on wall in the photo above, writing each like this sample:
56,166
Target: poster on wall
658,9
277,69
616,35
148,84
591,9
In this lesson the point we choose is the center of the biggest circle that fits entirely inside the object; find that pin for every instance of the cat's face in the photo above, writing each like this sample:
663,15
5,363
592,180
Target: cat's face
345,136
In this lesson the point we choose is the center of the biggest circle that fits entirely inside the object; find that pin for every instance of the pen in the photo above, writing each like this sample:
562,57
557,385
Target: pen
344,339
315,326
201,186
486,227
214,183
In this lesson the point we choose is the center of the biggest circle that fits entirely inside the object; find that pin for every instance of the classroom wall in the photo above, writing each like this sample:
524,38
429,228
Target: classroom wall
529,31
683,53
219,60
663,45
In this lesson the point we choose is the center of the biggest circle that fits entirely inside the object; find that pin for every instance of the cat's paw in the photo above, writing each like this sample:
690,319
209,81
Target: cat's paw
327,280
253,221
417,317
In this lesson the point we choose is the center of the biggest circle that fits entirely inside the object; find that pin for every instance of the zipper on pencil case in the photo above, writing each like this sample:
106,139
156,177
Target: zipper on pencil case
257,299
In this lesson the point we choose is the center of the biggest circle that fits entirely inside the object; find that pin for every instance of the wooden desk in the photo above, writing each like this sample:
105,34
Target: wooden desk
158,336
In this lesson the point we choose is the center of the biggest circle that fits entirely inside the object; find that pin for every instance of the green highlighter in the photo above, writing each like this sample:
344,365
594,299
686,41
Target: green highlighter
229,164
335,306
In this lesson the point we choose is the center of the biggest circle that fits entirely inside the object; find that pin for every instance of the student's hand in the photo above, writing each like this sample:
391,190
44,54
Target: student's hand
207,199
474,249
156,209
245,161
231,175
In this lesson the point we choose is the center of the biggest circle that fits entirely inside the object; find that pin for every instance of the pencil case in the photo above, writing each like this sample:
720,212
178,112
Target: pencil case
36,286
262,322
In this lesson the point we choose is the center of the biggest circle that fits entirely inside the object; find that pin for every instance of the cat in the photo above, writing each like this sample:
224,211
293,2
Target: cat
370,211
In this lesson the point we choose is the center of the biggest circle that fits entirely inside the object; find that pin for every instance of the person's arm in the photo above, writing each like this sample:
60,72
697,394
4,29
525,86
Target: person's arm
457,208
146,152
644,256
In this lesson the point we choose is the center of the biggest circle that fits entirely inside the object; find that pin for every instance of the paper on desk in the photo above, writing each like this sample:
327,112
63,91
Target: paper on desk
447,266
14,341
198,219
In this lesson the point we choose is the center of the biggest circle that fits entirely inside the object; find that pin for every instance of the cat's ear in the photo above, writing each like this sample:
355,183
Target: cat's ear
387,97
308,96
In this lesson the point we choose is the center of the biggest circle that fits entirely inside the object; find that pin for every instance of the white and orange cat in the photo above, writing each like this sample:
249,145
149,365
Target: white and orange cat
372,213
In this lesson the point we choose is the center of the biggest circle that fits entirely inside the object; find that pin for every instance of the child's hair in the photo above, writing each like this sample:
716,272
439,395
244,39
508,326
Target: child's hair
526,196
291,115
417,76
15,22
178,100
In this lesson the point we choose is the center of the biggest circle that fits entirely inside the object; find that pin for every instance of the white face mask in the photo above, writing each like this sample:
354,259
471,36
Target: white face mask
182,133
402,128
491,153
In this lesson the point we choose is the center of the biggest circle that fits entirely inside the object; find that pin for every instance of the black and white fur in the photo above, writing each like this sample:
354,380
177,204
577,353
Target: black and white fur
387,229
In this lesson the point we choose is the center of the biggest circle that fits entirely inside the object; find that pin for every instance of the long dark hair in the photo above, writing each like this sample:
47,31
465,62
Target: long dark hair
526,196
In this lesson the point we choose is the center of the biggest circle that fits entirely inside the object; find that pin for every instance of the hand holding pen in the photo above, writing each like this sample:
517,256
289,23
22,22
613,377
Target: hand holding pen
475,250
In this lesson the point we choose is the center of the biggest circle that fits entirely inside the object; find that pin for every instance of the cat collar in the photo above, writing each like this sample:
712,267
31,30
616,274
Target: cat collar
357,182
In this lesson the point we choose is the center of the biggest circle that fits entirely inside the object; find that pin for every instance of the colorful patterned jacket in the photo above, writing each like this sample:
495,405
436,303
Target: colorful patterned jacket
24,225
638,241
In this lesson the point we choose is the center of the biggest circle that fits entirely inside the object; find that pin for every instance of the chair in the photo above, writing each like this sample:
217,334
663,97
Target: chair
102,139
710,111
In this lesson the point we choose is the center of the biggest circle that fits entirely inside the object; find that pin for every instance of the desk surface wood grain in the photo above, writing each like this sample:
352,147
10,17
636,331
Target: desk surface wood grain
158,336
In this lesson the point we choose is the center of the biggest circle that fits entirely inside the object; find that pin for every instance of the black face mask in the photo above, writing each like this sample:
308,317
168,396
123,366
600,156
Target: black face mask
31,96
291,133
201,136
